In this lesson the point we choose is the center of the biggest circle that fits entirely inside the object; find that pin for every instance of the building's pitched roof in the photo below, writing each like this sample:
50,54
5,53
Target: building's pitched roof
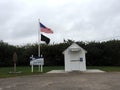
74,45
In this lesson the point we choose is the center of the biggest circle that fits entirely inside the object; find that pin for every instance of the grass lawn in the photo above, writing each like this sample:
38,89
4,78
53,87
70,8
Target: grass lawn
4,71
106,68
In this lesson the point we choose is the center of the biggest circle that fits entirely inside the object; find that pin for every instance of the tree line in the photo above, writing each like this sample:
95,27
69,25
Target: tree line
98,53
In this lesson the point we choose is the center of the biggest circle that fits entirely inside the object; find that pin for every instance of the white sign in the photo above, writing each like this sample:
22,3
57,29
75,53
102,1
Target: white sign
39,61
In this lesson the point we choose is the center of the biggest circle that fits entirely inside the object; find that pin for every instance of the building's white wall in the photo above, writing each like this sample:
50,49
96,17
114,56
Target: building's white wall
67,62
83,64
72,60
75,66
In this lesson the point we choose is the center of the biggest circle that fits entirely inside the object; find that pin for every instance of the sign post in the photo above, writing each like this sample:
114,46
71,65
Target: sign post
41,68
39,62
31,68
14,60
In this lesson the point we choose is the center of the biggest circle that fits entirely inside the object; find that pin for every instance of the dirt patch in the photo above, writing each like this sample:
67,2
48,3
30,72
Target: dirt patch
63,81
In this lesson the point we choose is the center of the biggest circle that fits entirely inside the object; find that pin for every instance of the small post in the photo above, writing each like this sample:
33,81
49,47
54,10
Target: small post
14,60
14,67
31,68
39,38
41,68
38,68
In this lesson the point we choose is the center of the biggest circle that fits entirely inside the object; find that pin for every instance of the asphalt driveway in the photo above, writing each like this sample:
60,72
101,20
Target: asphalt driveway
63,81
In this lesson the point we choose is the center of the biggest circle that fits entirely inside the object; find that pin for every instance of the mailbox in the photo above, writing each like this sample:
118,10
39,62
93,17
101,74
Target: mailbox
81,59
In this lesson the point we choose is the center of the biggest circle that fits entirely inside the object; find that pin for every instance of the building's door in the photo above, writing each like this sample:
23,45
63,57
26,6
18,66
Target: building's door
75,65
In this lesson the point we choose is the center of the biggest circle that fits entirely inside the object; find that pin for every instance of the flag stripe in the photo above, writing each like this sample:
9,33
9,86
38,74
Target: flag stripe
45,29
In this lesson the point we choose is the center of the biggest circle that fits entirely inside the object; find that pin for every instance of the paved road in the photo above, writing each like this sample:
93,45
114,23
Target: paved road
64,81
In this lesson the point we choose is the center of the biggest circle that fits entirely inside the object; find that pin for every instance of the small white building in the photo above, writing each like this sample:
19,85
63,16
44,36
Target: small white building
74,58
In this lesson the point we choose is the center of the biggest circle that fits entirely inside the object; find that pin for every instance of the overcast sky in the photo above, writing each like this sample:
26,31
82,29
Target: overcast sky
79,20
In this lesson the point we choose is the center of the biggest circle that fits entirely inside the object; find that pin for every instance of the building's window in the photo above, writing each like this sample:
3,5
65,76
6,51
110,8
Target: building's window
81,59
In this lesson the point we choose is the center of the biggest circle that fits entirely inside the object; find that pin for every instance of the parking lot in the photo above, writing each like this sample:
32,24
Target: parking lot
63,81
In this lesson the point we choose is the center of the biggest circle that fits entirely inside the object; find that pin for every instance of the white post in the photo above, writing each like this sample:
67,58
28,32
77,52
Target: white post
41,68
38,68
31,68
39,38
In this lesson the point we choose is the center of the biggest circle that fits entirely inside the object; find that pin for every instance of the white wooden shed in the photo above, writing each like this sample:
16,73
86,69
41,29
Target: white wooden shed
74,58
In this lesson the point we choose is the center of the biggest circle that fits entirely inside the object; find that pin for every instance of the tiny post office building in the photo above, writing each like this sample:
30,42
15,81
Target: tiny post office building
74,58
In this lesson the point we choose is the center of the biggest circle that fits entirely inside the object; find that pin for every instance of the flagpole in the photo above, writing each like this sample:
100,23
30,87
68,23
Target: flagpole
39,38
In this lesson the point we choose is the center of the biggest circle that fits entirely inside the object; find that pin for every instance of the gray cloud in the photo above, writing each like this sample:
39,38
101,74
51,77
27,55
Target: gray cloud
78,20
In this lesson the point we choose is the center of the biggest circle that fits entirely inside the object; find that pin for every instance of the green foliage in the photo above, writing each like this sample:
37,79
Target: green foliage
6,52
104,53
98,53
4,71
27,70
106,68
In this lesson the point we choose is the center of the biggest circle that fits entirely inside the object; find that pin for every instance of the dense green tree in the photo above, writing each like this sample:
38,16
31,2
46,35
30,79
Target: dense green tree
98,53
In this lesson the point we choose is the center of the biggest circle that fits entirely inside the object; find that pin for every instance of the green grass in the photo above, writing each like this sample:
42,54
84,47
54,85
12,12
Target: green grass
106,68
4,71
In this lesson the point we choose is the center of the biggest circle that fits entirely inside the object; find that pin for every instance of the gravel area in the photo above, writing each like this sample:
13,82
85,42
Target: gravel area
63,81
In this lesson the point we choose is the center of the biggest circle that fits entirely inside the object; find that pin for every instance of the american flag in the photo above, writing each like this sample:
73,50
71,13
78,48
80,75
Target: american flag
44,29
